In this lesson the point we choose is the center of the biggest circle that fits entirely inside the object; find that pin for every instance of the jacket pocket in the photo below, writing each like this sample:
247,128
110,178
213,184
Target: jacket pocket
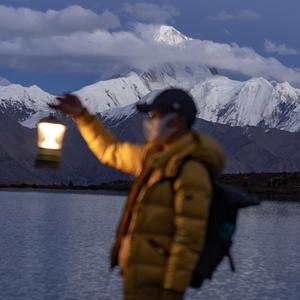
158,247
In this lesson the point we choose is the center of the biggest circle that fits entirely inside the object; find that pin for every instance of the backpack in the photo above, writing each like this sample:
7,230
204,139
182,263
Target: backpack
225,205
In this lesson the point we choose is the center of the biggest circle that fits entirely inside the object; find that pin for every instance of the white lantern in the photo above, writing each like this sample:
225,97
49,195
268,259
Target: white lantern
50,140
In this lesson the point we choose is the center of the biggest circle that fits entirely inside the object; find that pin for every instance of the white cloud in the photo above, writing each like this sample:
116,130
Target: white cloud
149,12
96,51
281,49
244,14
25,21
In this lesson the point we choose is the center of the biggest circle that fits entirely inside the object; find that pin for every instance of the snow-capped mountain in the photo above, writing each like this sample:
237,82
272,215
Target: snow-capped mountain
4,82
170,36
23,101
163,34
31,97
126,90
256,102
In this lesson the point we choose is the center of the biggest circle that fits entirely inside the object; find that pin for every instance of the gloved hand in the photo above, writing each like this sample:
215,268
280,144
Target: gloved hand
69,105
171,295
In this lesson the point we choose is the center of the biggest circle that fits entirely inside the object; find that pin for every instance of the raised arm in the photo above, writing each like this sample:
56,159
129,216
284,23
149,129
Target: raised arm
125,157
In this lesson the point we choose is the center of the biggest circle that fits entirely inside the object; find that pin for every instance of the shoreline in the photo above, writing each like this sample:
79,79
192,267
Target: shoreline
266,186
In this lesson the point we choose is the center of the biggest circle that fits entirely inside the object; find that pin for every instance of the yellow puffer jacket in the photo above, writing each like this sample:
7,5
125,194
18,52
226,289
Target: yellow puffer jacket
165,217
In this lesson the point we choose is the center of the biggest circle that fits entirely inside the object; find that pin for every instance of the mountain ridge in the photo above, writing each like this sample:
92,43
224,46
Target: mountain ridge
256,101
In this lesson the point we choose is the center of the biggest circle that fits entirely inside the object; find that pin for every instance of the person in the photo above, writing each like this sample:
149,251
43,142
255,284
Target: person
163,226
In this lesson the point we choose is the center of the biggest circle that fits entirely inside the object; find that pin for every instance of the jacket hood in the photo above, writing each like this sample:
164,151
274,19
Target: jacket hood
195,145
208,151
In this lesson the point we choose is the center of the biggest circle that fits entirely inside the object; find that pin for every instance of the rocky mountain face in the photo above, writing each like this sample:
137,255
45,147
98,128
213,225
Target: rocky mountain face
248,149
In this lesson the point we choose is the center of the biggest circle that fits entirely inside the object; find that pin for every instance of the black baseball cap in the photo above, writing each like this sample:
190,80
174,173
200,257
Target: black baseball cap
172,100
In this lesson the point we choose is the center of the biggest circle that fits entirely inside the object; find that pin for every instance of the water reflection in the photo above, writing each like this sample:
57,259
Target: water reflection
56,246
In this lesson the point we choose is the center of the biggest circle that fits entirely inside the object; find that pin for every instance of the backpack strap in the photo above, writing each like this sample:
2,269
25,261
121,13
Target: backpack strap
182,164
231,261
180,167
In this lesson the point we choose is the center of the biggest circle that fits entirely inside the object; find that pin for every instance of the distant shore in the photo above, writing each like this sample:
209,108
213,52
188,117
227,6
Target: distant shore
268,186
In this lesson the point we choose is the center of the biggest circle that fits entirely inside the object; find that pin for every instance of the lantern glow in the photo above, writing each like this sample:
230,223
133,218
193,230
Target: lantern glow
51,135
50,140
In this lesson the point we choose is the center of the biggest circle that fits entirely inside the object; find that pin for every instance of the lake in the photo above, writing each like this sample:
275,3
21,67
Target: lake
56,246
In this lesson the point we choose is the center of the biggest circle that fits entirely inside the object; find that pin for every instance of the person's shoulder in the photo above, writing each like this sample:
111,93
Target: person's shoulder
194,173
210,152
209,142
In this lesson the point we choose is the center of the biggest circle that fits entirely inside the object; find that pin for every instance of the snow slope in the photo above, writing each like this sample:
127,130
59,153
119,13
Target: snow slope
126,90
24,101
255,102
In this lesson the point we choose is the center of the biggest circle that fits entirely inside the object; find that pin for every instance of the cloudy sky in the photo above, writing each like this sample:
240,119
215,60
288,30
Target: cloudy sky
62,45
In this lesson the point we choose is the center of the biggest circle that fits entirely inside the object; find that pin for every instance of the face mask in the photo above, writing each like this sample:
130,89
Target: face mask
156,130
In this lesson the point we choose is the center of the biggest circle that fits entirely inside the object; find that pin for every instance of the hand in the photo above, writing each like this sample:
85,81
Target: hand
69,105
171,295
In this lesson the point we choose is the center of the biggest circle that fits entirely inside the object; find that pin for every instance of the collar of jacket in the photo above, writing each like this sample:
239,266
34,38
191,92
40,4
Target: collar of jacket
165,162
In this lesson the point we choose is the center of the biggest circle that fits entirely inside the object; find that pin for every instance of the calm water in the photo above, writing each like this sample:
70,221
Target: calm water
56,246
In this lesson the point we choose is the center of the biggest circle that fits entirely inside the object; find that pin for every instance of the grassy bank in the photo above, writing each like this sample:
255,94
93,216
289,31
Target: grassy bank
267,185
